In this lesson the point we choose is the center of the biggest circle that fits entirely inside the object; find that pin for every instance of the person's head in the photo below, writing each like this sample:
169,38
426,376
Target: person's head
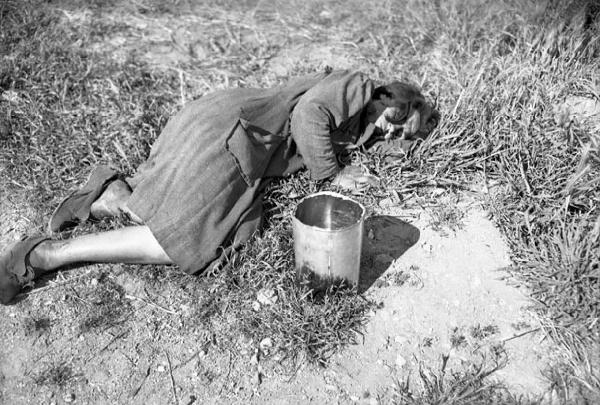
401,105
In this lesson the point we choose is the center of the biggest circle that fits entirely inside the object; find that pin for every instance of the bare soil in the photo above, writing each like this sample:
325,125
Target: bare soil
445,296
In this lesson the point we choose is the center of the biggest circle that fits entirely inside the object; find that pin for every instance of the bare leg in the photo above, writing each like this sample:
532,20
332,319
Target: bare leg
134,244
113,202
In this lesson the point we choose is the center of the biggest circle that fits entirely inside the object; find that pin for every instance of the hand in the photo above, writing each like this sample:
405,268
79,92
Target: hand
352,178
385,125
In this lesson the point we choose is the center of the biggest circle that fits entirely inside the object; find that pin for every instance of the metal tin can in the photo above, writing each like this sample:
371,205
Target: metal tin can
328,233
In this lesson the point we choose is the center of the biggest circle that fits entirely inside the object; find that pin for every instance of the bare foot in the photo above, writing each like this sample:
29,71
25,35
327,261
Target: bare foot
113,200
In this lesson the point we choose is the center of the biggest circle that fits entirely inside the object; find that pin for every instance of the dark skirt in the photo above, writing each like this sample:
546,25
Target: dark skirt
192,191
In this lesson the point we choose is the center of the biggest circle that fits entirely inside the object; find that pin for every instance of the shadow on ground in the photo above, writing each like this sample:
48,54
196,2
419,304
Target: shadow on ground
386,238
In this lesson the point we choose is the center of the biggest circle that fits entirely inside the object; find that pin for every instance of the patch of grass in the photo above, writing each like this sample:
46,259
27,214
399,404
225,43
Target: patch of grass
521,325
427,342
57,375
457,338
483,332
446,217
300,325
102,306
36,325
399,278
69,109
471,385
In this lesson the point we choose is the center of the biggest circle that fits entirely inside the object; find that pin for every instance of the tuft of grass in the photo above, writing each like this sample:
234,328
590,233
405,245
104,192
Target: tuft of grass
300,324
446,217
457,338
471,385
36,325
102,306
57,375
483,332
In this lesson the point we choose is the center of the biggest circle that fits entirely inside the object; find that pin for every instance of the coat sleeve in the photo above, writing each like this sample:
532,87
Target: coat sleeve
321,111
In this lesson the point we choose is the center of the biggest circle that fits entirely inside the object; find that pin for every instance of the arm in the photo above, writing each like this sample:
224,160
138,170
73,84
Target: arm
317,150
312,126
321,111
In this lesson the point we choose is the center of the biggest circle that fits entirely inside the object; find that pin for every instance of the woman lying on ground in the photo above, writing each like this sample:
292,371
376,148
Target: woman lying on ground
199,194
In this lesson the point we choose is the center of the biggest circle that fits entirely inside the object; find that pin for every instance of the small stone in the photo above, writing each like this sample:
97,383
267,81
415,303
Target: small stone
578,110
266,344
185,309
69,397
400,361
256,306
266,296
11,96
160,369
354,398
326,15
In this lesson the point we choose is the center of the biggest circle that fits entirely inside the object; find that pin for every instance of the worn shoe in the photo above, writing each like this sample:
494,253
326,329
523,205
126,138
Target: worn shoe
76,207
15,270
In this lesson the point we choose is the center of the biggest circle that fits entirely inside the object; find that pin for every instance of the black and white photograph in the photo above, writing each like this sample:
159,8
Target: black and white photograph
300,202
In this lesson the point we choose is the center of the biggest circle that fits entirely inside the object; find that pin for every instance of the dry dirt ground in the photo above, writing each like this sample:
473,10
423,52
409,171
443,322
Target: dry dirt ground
443,300
443,297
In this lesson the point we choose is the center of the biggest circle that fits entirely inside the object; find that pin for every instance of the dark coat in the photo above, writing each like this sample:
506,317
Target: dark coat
199,190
